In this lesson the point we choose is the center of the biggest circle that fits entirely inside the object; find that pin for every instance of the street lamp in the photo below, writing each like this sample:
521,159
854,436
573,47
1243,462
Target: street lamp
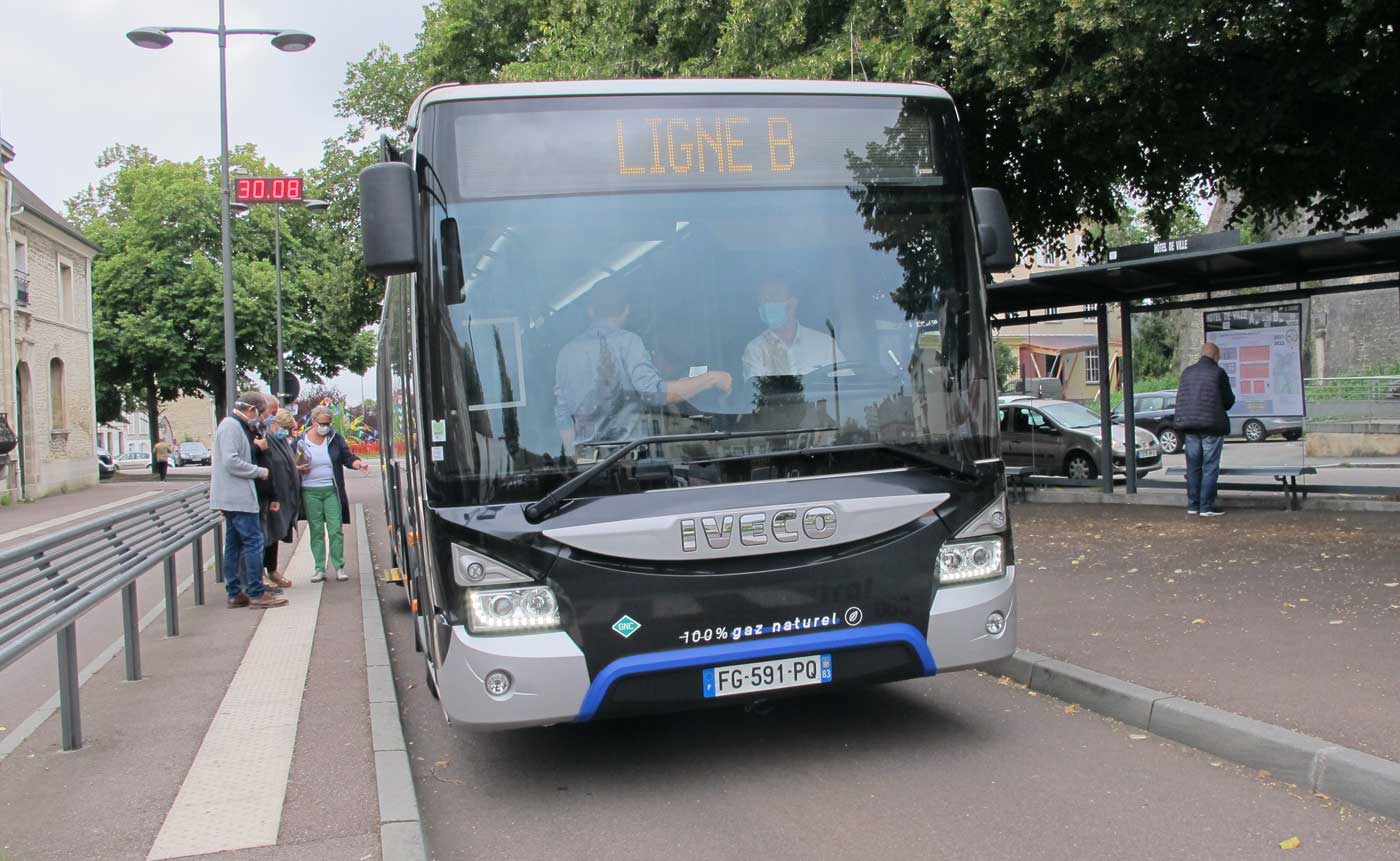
283,40
312,206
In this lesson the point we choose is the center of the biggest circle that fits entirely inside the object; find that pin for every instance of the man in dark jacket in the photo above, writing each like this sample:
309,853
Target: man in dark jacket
1202,399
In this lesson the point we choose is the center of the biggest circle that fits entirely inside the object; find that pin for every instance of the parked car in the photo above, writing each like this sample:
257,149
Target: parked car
192,453
1063,438
106,468
1156,411
134,461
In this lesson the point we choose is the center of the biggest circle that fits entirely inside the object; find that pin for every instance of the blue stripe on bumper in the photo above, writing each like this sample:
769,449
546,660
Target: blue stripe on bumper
680,659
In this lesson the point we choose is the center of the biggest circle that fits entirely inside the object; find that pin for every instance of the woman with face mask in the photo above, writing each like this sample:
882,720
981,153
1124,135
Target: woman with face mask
322,457
279,495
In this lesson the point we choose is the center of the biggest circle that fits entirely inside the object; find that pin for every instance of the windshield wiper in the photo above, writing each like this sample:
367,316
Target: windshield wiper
951,465
557,497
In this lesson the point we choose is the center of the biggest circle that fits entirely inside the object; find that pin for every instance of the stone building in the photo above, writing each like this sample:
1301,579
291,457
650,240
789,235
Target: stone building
45,344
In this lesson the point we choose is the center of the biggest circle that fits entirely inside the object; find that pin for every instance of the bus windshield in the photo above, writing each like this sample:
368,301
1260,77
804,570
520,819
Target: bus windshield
798,272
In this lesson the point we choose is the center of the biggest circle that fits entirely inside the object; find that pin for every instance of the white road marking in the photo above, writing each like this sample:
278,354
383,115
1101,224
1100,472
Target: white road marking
49,525
233,795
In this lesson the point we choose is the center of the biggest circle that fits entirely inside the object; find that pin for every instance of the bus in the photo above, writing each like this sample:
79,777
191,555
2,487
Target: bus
689,393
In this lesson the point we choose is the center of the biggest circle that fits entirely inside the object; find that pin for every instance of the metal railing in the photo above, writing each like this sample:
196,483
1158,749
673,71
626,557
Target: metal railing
21,287
1352,388
47,585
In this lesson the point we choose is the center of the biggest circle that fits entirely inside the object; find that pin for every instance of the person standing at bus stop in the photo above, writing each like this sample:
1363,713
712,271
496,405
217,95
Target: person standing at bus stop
1202,400
279,495
233,493
323,455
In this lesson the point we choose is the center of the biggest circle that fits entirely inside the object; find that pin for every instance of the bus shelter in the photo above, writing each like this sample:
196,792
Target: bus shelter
1266,273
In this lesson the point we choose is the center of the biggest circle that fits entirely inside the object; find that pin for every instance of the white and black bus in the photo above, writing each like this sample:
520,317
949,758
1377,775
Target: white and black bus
688,393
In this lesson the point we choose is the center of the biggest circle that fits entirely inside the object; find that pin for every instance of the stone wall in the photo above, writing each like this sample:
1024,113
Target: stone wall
62,453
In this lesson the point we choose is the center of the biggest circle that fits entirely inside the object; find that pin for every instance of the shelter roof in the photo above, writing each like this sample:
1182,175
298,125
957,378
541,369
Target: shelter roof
1284,262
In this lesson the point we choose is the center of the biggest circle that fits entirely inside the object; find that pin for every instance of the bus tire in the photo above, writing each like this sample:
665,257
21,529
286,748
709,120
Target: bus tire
432,684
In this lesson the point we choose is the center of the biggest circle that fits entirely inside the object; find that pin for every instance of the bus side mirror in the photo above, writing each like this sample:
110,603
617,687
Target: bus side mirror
993,230
389,218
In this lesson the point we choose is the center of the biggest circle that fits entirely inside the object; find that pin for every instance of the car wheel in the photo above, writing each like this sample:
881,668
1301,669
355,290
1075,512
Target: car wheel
1254,431
1080,466
1170,440
1293,435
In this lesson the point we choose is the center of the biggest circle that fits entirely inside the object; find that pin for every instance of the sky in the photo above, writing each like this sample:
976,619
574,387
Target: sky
71,84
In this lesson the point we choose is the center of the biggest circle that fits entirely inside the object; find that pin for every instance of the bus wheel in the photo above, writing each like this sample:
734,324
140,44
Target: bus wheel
432,683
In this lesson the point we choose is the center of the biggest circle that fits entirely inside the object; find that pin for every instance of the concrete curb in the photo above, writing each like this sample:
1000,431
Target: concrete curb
1340,772
400,820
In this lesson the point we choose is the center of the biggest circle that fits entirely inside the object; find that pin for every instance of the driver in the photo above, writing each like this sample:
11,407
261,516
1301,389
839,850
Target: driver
604,380
786,347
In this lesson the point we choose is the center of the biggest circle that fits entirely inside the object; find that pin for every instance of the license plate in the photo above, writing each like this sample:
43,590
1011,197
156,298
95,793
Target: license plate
766,675
1149,451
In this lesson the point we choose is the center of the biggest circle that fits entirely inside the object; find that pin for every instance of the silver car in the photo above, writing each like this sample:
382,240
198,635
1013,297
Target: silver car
1063,438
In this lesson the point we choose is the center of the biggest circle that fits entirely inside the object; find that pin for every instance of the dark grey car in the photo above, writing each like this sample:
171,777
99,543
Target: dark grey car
1156,411
1063,438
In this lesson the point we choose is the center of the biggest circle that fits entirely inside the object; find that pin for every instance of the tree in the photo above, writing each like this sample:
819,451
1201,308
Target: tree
1072,107
1155,339
1006,364
158,293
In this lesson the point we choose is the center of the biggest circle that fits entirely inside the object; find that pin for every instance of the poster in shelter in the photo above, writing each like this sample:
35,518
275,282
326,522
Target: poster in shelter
1261,351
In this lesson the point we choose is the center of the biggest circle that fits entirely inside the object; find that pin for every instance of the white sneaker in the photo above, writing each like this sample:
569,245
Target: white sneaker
341,575
318,577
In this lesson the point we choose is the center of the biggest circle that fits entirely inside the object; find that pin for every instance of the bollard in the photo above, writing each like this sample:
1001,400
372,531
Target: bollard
172,604
72,724
131,632
219,553
197,559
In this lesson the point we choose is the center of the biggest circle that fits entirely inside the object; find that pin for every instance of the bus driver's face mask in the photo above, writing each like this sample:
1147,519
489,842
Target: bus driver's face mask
773,314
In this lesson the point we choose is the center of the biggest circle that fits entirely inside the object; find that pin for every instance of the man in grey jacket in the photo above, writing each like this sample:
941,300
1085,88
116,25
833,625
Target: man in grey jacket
232,492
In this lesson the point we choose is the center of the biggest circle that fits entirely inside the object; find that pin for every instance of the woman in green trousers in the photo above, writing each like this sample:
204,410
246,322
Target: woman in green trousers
322,456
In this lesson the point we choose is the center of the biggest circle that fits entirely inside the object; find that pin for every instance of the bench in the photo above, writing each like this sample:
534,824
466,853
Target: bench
1017,482
1287,476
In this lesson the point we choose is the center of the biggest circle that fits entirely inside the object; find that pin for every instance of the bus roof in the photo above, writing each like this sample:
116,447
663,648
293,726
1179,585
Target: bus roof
667,86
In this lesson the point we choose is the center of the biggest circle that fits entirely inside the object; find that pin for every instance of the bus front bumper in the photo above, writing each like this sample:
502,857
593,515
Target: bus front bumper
550,682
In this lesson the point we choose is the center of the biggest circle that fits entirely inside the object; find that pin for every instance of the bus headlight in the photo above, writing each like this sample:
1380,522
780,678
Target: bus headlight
968,561
500,611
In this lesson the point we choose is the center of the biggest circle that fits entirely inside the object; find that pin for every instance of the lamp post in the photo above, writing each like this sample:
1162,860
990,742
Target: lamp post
312,206
283,40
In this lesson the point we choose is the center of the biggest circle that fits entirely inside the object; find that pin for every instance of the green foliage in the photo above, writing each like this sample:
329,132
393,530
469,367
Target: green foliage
1155,340
1006,364
158,290
1071,107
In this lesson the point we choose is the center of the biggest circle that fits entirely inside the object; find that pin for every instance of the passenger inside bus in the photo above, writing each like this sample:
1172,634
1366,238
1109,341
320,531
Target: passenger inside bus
605,380
785,347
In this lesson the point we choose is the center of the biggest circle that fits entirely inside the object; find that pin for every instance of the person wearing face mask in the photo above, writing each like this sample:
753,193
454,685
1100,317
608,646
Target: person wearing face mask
233,493
279,495
785,347
604,379
322,456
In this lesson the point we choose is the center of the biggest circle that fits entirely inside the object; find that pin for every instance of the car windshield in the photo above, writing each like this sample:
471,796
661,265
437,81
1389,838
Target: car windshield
830,321
1071,415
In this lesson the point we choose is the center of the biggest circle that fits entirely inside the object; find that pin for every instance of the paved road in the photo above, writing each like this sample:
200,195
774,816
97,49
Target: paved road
959,766
1288,617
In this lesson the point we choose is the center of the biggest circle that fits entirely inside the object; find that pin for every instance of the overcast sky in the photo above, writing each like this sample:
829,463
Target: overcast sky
71,84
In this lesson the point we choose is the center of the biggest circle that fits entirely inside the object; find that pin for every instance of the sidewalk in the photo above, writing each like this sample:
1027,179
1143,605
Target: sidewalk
1292,618
249,736
19,519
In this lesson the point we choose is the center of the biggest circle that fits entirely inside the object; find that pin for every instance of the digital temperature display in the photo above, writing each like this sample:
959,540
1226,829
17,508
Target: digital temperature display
268,189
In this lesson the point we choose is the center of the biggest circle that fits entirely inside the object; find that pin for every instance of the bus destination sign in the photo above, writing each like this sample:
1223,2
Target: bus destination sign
520,153
268,189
